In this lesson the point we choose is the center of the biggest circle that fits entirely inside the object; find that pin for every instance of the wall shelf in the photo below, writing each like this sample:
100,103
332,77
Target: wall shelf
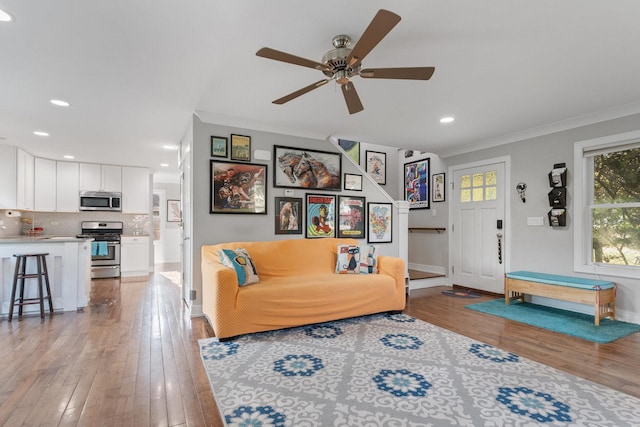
437,229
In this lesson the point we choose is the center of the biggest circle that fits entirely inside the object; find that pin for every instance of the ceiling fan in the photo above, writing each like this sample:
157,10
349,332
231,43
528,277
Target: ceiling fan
342,63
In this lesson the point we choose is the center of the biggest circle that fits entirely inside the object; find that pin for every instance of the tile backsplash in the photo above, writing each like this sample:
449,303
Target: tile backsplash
69,224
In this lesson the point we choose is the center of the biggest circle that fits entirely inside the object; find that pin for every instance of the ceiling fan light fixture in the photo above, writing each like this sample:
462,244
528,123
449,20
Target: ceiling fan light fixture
447,119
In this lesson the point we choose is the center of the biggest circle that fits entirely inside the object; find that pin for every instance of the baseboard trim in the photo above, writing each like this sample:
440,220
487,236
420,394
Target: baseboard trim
435,269
428,283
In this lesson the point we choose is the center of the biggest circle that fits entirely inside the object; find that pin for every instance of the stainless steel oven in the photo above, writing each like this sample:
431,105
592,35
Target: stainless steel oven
105,248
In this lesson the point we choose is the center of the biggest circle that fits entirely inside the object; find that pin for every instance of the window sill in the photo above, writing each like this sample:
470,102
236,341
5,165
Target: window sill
630,272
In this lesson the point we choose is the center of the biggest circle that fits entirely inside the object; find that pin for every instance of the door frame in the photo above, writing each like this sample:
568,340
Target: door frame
507,208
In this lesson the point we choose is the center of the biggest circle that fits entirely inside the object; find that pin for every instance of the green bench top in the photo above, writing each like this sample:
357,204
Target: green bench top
553,279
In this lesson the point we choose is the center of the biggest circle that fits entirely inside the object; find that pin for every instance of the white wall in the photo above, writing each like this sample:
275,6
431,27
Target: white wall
548,249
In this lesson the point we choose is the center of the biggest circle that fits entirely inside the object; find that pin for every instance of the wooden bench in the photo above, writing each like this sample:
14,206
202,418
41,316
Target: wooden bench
599,293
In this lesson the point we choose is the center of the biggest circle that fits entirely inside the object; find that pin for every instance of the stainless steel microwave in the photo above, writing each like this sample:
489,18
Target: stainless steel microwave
100,201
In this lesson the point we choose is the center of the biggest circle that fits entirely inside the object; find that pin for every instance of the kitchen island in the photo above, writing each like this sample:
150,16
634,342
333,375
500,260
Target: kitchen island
68,263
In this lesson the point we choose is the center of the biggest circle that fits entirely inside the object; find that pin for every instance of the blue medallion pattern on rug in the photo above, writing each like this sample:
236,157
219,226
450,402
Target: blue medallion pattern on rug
323,331
541,407
402,383
489,352
261,416
401,341
215,350
395,370
303,365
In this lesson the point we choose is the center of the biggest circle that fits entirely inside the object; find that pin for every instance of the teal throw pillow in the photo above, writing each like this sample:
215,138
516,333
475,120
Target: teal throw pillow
240,261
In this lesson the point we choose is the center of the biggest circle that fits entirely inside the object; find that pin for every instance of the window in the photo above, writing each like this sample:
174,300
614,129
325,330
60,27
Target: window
607,232
478,187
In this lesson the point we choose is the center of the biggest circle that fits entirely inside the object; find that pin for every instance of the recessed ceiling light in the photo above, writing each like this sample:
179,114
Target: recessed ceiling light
6,16
164,165
69,157
59,103
170,147
446,120
40,133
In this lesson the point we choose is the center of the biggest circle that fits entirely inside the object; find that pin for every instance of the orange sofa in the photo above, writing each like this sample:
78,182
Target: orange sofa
297,286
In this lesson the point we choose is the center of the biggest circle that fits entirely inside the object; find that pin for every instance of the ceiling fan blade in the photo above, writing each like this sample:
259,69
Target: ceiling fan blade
277,55
382,23
409,73
351,98
302,91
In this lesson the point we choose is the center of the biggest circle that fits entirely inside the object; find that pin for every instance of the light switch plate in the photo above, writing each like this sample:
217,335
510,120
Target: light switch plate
535,220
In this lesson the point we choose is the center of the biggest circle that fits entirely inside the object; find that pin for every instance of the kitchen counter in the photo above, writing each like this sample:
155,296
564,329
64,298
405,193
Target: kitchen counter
41,239
68,264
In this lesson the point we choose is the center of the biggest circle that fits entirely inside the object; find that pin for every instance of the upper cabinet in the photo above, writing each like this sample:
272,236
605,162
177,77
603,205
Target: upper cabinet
45,185
67,187
16,178
95,177
25,181
135,186
8,175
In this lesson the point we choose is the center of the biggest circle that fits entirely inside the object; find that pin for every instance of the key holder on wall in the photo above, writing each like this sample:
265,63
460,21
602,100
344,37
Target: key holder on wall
558,195
521,188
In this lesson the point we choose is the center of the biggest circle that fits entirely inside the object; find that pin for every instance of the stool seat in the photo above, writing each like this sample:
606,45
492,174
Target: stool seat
19,277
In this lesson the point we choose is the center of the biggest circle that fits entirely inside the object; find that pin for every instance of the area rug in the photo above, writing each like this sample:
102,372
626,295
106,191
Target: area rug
461,294
567,322
395,370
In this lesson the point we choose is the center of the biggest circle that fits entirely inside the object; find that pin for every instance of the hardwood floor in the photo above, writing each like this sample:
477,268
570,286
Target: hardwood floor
132,359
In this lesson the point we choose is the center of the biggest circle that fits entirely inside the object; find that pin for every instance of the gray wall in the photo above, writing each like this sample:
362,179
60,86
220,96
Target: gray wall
217,228
548,249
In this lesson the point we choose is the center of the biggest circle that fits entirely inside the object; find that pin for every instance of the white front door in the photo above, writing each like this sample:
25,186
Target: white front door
478,227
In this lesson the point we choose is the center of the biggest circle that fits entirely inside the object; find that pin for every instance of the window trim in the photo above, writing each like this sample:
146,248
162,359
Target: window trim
582,151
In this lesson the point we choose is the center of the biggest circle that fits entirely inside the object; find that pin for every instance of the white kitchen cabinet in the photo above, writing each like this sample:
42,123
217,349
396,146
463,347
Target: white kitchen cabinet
134,256
8,176
68,187
135,190
95,177
44,185
24,181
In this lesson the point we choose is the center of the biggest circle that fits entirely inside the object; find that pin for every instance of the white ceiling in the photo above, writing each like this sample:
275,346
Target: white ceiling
135,71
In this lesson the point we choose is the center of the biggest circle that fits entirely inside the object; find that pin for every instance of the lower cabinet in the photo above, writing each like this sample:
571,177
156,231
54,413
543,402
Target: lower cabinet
134,256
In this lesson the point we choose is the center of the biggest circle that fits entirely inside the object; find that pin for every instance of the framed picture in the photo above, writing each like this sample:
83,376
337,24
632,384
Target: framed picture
438,187
352,182
237,188
320,216
288,215
352,148
309,169
219,145
241,147
379,222
416,184
174,211
377,166
351,217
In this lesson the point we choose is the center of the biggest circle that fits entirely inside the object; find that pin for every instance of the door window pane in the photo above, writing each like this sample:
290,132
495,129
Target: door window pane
465,181
491,193
465,195
478,179
478,194
490,178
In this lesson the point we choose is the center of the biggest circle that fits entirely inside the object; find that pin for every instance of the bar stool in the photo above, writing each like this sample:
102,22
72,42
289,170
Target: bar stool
21,275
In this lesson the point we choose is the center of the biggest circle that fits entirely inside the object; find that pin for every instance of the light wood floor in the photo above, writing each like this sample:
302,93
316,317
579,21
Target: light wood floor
132,357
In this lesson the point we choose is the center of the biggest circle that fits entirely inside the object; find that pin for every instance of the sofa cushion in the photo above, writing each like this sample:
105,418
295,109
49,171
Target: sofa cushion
240,261
368,259
348,260
357,259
